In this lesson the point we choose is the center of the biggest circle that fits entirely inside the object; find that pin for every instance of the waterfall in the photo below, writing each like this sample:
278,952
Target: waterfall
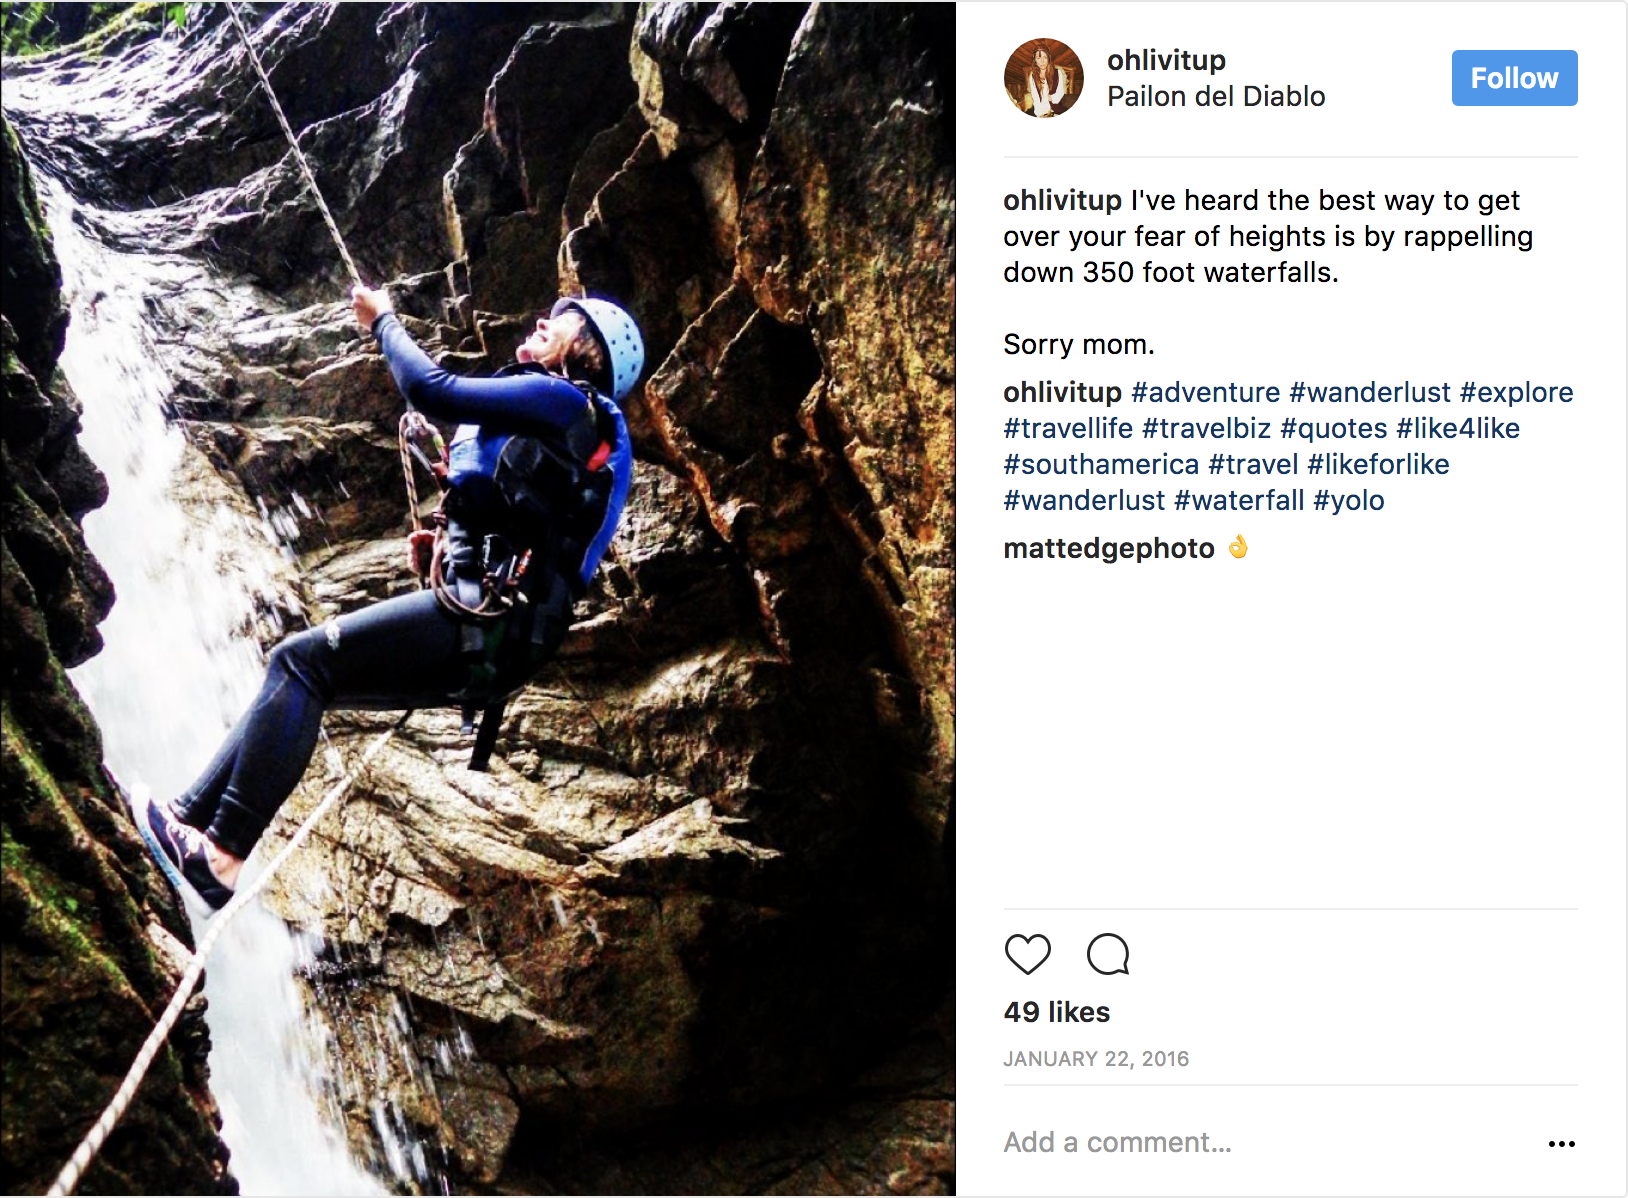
180,662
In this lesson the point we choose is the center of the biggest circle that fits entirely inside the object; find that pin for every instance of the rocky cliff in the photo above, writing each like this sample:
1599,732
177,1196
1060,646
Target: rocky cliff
694,931
90,936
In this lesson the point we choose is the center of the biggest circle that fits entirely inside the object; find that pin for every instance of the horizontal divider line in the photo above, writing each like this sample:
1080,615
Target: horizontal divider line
1115,909
1420,157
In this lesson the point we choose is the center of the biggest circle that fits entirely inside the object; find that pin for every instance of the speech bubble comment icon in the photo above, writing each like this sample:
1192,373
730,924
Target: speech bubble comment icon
1028,953
1109,953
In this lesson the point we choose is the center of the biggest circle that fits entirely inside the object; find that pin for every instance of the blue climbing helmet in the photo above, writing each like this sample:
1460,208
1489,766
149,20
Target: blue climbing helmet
617,333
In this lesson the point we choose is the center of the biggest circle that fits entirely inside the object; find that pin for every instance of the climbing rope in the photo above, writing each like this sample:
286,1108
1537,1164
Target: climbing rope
92,1143
421,541
299,156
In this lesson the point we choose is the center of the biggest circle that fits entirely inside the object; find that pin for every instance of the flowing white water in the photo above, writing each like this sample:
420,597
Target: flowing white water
179,664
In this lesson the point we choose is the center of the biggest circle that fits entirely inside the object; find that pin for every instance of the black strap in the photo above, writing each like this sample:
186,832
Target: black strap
480,759
533,628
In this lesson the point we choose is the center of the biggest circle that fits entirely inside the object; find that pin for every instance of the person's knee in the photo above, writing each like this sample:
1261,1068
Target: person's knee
302,659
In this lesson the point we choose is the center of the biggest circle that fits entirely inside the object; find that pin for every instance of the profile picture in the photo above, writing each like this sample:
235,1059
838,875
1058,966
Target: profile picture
1043,77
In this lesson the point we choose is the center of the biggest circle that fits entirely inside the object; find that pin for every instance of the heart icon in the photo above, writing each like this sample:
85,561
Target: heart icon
1028,953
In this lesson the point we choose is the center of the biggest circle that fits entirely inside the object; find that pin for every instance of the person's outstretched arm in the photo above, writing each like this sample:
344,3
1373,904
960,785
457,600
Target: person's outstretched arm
516,403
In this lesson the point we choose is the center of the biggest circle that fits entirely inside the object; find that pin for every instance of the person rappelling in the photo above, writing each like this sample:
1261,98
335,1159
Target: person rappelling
536,476
533,487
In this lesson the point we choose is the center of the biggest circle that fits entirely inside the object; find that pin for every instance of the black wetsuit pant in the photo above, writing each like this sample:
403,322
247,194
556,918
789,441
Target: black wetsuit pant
402,653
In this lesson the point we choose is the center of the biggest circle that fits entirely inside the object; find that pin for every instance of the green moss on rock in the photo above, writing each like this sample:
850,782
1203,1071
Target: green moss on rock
80,980
30,278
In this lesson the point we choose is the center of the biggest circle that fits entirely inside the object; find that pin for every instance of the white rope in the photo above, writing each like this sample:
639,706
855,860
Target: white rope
299,156
92,1143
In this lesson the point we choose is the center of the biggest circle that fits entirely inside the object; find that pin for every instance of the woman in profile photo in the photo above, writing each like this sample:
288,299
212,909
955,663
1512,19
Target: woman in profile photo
1047,84
1041,77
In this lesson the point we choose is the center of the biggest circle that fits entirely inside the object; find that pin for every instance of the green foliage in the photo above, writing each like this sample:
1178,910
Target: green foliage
20,31
34,28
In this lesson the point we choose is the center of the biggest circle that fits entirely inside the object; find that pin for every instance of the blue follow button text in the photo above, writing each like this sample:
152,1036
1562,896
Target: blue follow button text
1514,78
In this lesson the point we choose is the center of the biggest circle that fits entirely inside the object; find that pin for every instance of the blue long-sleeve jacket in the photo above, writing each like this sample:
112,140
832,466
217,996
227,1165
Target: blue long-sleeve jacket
529,404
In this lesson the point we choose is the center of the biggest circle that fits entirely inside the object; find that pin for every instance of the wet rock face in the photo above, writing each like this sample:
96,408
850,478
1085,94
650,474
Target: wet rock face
545,104
848,228
32,295
89,942
708,870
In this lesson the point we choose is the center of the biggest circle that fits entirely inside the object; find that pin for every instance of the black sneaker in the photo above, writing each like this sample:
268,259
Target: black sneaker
177,812
179,851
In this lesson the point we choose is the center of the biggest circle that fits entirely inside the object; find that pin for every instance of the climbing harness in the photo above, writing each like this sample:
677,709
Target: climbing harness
425,546
126,1093
299,155
543,498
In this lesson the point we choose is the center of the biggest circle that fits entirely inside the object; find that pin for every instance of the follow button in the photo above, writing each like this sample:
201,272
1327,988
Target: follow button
1514,78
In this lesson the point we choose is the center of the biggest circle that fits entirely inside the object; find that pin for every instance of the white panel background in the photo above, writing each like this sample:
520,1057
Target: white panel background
1421,709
